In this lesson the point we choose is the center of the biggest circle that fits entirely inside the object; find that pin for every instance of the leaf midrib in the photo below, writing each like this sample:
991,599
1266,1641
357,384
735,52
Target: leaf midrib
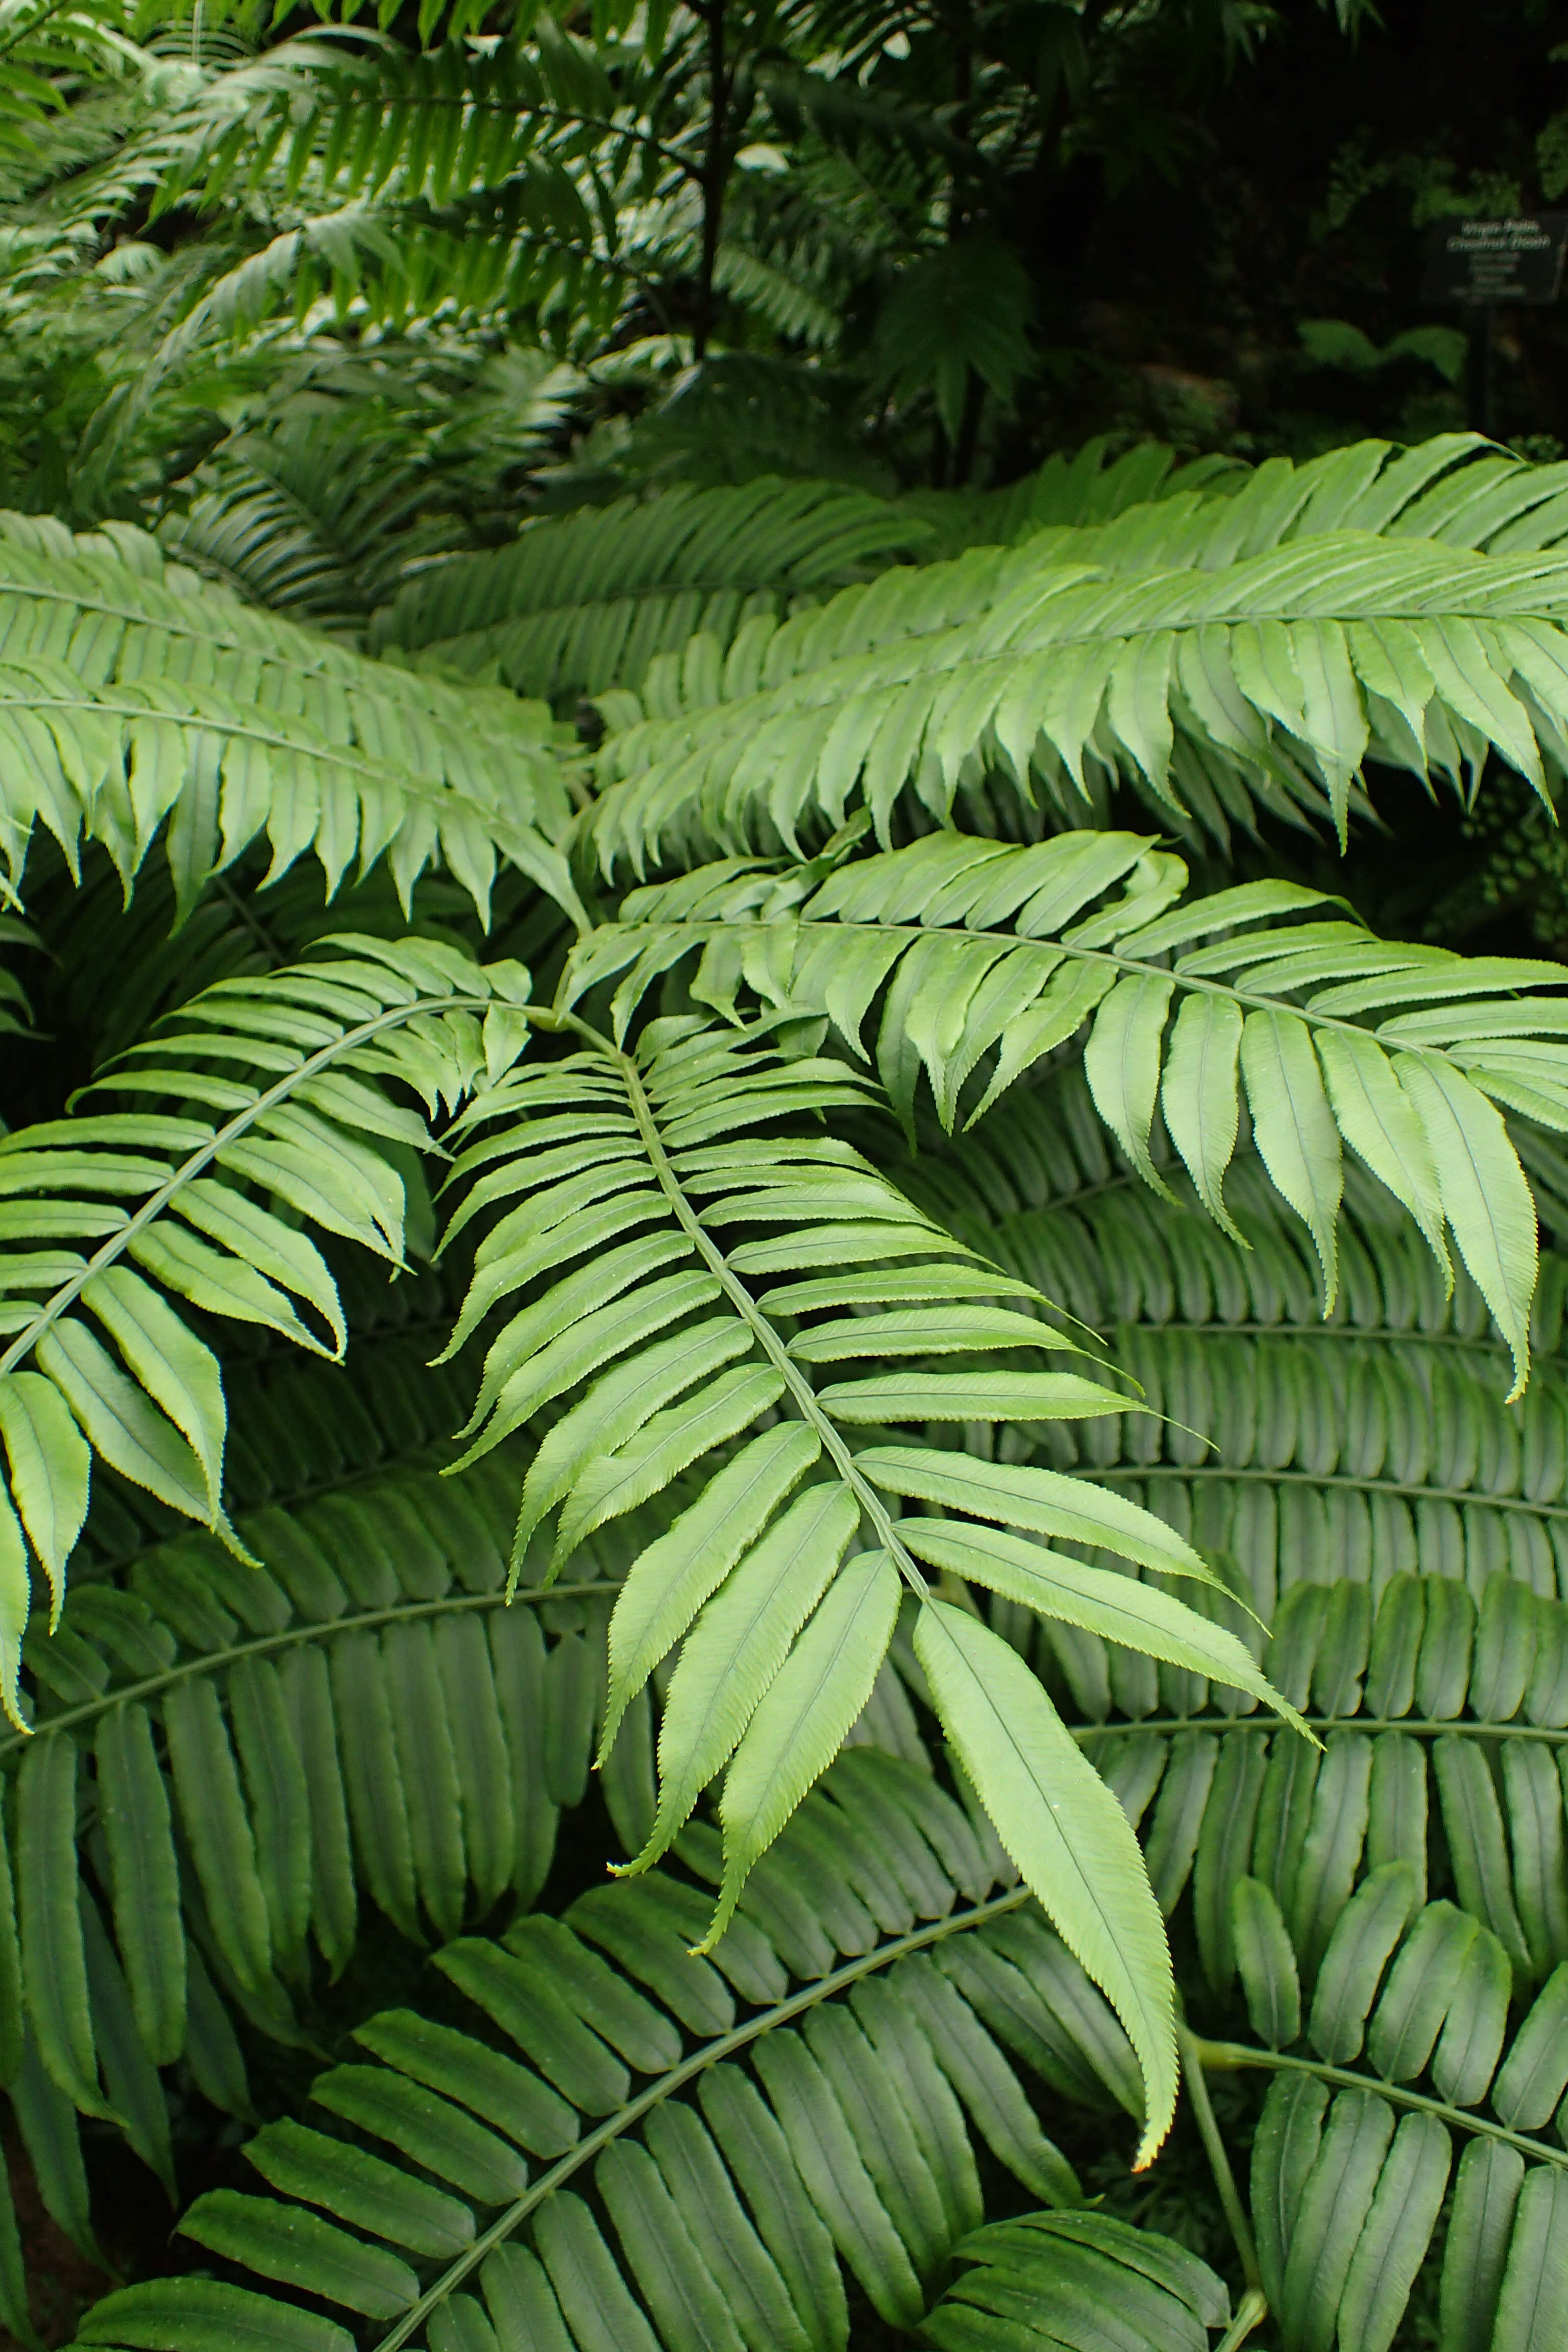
796,1384
1230,2057
1257,1475
264,1646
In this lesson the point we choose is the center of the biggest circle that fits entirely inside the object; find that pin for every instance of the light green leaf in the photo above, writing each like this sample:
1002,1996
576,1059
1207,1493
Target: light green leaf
50,1463
669,1580
800,1725
169,1361
218,1283
1121,1063
120,1422
1295,1128
972,1396
16,1599
1198,1096
1066,1832
1380,1124
1045,1501
928,1331
253,1234
612,1484
737,1646
616,1407
1485,1196
1117,1608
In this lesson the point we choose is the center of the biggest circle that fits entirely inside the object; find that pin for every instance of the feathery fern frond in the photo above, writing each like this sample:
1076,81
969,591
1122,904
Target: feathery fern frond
1087,488
361,1716
1215,654
661,1352
833,2129
356,474
1311,1884
43,48
133,697
1375,1441
1275,1010
584,601
271,1095
782,288
342,117
301,515
963,308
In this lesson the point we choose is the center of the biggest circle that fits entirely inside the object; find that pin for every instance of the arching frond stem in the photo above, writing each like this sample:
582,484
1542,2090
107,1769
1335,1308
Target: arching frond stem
919,1940
796,1385
1234,2057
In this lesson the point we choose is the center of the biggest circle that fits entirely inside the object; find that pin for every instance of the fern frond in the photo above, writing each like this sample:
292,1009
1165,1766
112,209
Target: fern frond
1359,1988
133,697
43,49
361,1716
963,308
1275,1011
781,288
272,1096
1217,655
345,117
580,602
357,474
784,1579
303,521
1087,488
866,2023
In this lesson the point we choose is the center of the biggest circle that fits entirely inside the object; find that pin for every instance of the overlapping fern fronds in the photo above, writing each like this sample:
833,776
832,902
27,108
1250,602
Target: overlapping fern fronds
232,1757
988,950
1375,1440
585,602
342,116
648,1173
877,1953
1221,656
278,1085
881,2006
134,698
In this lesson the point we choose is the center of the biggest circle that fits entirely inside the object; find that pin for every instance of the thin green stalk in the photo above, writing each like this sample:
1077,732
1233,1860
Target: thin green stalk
1230,2057
1219,2160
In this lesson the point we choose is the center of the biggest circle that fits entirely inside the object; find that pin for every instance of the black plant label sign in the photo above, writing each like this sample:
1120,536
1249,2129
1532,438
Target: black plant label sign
1496,261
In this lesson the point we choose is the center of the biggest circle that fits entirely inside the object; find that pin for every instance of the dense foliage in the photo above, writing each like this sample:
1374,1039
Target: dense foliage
719,1158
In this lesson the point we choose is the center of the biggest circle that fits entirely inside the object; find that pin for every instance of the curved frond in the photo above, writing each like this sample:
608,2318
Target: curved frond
783,1580
133,699
1087,488
1397,2015
1272,1011
270,1097
1217,654
586,600
765,2133
257,1750
345,116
